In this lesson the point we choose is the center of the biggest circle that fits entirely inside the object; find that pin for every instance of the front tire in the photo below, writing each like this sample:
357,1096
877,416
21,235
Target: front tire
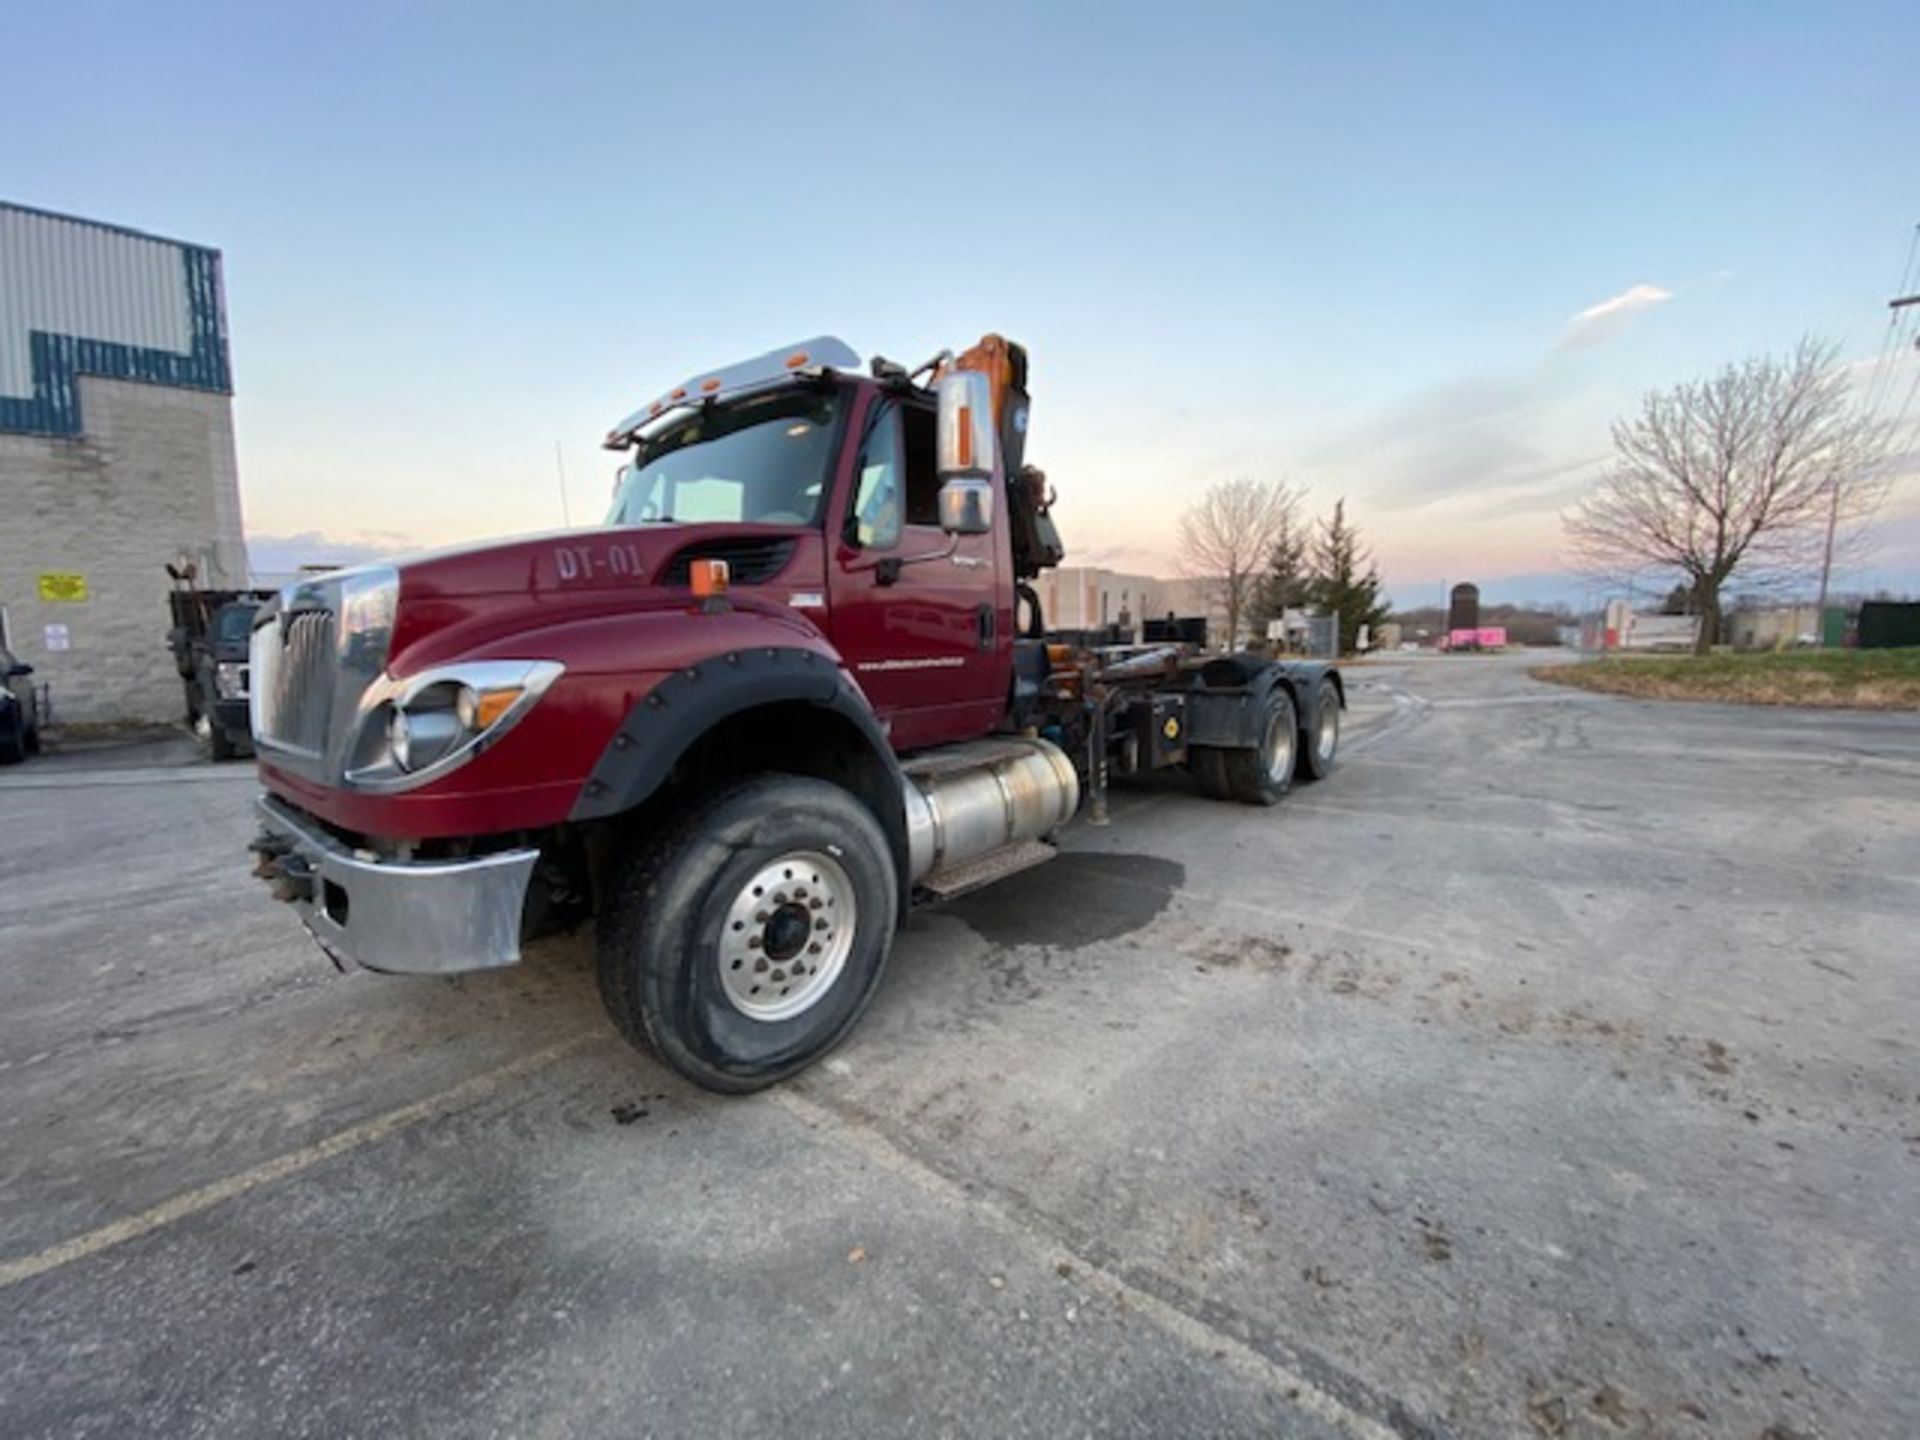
744,943
1264,774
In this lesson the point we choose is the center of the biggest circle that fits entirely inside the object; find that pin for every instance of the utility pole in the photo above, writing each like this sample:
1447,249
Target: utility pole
1896,304
1826,560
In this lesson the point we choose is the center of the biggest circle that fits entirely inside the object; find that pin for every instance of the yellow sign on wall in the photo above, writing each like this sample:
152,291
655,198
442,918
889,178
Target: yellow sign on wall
58,585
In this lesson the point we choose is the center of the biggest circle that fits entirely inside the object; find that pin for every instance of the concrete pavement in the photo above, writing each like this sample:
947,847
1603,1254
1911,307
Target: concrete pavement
1550,1069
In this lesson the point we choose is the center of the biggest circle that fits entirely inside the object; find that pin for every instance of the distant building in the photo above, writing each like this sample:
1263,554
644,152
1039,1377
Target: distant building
116,455
1463,608
1620,627
1086,597
1773,627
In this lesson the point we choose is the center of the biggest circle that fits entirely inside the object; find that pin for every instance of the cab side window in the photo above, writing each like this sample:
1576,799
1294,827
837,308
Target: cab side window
877,499
922,425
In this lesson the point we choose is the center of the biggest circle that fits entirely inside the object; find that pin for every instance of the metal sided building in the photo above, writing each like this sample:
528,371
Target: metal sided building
116,455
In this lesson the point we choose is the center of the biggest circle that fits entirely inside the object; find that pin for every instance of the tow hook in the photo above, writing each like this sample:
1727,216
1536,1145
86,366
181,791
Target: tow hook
289,875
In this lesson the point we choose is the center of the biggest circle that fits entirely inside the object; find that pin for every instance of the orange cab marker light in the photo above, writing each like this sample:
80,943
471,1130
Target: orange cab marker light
656,408
678,395
708,578
707,387
966,437
796,360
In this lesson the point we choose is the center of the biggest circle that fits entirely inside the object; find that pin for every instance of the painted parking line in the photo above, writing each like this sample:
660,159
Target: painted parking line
354,1137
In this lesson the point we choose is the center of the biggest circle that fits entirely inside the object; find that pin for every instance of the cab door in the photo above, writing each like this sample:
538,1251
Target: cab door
914,611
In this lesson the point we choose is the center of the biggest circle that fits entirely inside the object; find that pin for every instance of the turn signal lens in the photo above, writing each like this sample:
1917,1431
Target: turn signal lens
708,578
965,437
479,709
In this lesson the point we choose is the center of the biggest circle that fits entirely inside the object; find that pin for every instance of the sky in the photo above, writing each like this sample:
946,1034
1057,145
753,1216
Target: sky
1412,255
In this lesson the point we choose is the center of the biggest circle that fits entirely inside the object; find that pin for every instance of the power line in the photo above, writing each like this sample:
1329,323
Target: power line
1881,382
1907,404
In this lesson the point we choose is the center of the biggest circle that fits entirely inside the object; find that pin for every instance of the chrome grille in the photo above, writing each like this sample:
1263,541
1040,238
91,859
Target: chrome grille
293,678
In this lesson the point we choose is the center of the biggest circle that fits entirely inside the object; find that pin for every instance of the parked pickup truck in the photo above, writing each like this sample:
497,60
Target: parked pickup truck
797,684
210,639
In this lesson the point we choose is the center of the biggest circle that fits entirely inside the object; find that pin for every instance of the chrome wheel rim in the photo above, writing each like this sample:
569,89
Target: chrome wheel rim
1328,735
1277,751
787,935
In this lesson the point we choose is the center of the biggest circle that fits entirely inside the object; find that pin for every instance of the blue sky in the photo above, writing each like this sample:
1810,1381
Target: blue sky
1341,245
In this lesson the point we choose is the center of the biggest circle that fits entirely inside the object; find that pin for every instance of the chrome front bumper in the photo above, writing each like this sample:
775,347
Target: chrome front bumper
404,917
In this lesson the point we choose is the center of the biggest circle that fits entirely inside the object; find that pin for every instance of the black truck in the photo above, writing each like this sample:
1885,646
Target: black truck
211,630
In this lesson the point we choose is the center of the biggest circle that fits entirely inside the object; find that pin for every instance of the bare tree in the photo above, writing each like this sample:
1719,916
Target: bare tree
1227,537
1739,474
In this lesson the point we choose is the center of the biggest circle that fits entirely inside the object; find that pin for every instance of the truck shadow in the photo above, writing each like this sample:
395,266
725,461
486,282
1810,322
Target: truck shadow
1082,898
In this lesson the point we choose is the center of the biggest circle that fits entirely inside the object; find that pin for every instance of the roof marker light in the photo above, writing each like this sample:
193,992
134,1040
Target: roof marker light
707,387
796,360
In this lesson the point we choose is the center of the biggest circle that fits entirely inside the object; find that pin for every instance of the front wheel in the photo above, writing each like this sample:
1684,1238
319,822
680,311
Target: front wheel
744,943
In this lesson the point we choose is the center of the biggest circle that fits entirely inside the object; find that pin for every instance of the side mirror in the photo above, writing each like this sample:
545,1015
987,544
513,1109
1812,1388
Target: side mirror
19,670
966,505
966,425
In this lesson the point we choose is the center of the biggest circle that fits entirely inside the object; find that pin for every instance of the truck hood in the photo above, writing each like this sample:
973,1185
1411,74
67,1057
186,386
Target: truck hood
577,561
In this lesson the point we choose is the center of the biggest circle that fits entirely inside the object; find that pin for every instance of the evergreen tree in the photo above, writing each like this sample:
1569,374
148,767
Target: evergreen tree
1345,582
1284,584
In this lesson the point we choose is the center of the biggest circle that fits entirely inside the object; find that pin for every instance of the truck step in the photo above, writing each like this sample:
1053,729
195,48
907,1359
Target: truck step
987,868
967,755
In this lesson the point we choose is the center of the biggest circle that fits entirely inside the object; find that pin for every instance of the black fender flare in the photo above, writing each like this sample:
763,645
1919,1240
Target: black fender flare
1306,676
1226,707
688,704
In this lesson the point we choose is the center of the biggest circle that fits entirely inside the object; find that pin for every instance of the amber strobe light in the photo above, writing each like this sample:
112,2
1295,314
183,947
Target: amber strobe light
708,578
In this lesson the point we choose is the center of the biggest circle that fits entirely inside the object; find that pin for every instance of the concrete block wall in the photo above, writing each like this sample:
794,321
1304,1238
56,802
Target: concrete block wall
152,481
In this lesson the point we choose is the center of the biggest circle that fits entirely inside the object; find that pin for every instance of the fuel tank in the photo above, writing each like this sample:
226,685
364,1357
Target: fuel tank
966,801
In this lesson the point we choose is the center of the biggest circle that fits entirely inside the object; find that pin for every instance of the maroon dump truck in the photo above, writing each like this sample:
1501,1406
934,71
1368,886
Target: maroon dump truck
798,683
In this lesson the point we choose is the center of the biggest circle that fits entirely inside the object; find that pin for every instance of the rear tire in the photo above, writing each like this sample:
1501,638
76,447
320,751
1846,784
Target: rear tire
1263,774
1320,746
1209,766
743,943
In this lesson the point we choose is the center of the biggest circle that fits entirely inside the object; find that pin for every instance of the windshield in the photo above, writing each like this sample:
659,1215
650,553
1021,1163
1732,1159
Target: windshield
235,624
756,461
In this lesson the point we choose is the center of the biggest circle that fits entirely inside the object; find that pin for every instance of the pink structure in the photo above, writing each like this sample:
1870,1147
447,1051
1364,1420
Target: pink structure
1490,637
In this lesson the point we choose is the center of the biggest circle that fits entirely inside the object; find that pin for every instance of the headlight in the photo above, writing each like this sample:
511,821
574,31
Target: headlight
420,728
428,730
230,679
